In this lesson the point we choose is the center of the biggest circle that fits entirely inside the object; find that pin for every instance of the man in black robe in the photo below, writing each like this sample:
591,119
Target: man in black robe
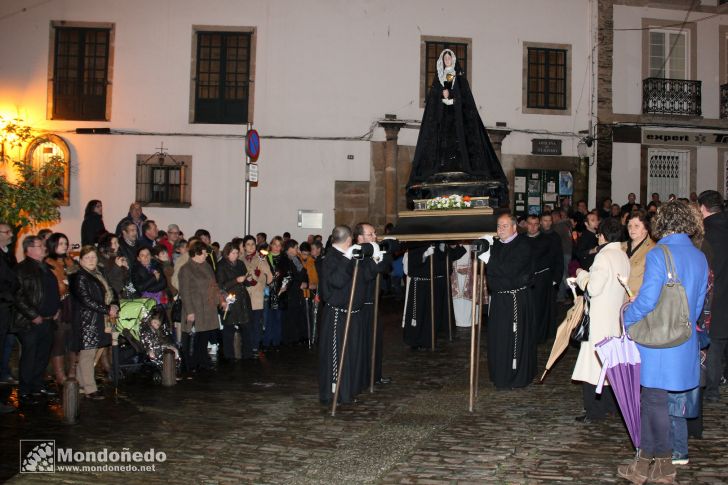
511,334
556,266
365,233
417,321
541,294
335,284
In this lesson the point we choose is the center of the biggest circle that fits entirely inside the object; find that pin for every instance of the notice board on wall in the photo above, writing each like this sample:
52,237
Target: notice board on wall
536,191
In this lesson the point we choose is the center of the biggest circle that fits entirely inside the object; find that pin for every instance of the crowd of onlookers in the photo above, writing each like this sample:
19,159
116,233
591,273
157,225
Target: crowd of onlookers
254,294
609,253
61,304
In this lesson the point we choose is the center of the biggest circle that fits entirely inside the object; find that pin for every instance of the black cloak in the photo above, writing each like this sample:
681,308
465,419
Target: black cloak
453,138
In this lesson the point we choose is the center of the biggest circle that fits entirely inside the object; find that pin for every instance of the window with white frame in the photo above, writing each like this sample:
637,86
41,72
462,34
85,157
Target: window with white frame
668,173
669,54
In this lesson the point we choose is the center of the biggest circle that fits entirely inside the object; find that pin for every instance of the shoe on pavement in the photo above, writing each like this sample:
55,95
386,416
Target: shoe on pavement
637,471
678,459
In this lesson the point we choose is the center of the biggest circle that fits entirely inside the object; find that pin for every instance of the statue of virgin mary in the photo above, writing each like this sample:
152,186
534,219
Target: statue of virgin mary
454,154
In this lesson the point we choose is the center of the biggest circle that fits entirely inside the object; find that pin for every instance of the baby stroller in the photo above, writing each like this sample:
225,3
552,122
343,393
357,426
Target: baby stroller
138,340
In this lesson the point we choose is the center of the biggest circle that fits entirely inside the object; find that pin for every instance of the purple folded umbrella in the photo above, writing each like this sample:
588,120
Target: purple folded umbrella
621,365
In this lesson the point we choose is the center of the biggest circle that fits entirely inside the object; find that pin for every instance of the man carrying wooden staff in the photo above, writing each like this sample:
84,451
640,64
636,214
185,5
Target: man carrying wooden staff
365,233
336,287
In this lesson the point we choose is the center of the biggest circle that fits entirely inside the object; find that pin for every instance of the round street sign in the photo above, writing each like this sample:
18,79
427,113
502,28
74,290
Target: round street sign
252,145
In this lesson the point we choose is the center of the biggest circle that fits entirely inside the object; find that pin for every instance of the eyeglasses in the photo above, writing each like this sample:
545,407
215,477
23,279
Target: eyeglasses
370,234
503,226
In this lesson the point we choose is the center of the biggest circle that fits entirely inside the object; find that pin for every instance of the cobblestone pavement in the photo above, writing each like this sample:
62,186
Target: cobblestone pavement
260,422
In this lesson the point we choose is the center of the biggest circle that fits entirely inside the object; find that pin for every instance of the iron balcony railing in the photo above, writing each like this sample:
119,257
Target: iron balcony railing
671,97
724,101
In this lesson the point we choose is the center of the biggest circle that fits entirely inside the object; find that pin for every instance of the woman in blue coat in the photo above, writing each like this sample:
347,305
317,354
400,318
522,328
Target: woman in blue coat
673,369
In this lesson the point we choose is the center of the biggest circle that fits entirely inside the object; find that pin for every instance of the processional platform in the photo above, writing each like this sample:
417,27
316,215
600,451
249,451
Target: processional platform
445,225
454,225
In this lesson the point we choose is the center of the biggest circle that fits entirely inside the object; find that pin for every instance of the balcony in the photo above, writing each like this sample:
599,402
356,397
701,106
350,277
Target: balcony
671,97
724,101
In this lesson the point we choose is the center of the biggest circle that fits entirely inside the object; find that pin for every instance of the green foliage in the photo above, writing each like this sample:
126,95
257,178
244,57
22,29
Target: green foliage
33,197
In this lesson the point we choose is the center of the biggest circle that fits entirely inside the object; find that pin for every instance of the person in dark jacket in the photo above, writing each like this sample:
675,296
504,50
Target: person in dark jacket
92,227
8,286
135,215
276,304
129,242
294,321
715,247
231,278
148,277
586,247
149,234
38,305
114,267
62,265
94,304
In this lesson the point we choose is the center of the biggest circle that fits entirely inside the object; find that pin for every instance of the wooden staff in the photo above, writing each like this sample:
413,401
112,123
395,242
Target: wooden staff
479,316
432,297
473,323
346,336
449,293
374,333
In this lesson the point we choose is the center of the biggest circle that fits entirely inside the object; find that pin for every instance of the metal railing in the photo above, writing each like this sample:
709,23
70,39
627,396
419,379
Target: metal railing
671,97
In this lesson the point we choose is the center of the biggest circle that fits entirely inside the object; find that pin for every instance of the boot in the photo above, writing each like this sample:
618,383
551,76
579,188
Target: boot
637,471
662,470
59,370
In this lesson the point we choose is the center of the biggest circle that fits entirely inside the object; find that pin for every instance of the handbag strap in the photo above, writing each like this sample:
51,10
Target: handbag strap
669,265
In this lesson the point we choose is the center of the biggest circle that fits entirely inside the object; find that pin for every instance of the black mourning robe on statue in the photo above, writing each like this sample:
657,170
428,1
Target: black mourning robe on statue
511,333
453,138
335,282
417,322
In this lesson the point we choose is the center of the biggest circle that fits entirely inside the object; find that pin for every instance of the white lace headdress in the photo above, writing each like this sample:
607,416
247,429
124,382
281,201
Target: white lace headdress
443,71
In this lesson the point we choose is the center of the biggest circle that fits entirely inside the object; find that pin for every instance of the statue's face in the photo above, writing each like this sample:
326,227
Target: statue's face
447,59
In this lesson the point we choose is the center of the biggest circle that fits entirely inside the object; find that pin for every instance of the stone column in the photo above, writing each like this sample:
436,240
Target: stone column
497,135
391,150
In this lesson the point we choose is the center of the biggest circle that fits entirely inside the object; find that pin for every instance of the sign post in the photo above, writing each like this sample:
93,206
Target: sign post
252,152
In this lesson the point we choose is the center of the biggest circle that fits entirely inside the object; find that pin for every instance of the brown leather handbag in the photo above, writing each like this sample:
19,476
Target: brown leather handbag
668,324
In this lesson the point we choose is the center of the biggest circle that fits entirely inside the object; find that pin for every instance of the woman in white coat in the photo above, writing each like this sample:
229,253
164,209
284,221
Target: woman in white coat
607,296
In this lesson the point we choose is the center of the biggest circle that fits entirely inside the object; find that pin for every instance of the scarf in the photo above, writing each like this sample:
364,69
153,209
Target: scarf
108,296
630,250
297,263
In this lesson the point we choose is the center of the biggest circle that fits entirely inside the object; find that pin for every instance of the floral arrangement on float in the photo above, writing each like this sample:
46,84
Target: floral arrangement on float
449,202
